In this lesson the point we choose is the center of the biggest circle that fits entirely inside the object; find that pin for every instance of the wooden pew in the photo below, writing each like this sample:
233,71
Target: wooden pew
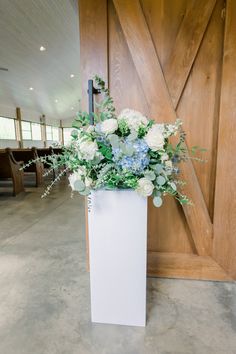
42,152
10,168
26,155
57,150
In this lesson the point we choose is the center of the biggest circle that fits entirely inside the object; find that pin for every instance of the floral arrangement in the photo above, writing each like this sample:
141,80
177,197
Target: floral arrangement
125,151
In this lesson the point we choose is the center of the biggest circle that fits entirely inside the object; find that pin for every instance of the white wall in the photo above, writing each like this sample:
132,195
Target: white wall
8,143
32,143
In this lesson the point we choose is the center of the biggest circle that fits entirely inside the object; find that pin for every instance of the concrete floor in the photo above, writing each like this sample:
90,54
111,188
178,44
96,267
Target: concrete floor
44,292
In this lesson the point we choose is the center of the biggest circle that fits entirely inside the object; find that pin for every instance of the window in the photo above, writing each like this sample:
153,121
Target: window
49,132
26,130
55,134
7,128
67,135
31,131
36,131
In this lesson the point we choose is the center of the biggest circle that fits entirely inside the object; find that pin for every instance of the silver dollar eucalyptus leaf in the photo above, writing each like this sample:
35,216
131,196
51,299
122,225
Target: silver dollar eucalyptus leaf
161,180
79,186
157,201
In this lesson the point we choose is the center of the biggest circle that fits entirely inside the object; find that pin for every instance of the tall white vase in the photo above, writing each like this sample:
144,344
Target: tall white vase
118,247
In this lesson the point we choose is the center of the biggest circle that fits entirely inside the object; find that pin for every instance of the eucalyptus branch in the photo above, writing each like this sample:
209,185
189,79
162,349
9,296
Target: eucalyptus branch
49,187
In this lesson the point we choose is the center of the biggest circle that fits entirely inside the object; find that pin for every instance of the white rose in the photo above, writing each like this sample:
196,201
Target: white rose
154,138
109,126
134,119
145,187
88,149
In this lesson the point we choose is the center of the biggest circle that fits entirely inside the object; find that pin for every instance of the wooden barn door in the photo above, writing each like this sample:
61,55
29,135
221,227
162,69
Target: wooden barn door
165,58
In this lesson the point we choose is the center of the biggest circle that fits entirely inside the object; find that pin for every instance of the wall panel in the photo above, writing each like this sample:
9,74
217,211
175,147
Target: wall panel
164,58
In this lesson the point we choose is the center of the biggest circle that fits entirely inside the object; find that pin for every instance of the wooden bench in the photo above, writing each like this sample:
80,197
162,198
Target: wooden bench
10,168
42,152
26,155
57,150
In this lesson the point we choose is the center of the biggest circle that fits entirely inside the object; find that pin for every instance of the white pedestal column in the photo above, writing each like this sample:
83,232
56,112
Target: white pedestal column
118,247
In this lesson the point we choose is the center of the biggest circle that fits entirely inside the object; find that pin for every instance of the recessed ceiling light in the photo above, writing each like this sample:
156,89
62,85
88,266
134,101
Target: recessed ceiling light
56,100
31,88
72,108
72,75
42,48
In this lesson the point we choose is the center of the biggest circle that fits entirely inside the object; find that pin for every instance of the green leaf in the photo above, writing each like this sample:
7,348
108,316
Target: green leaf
123,148
74,134
150,175
79,186
158,168
157,201
85,192
114,140
173,186
161,180
132,136
157,193
105,150
76,124
103,116
129,150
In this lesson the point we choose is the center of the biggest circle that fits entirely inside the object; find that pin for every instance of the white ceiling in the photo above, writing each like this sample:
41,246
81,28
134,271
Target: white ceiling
25,25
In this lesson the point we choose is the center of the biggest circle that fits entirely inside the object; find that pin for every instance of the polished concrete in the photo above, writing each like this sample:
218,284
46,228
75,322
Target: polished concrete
44,291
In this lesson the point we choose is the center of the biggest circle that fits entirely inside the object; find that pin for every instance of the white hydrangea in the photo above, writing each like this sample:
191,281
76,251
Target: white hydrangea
109,126
88,149
154,138
134,119
145,187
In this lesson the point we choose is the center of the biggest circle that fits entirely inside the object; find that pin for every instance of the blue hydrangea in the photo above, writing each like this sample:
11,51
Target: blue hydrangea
139,159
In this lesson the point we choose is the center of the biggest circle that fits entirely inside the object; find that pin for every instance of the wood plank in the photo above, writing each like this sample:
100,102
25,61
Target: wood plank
187,43
224,247
156,92
163,235
93,43
19,127
164,18
94,59
199,103
180,265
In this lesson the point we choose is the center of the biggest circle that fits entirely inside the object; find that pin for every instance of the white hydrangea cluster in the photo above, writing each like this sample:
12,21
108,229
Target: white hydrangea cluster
109,126
134,119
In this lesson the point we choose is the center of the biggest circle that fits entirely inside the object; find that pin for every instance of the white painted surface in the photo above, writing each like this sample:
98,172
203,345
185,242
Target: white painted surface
118,248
